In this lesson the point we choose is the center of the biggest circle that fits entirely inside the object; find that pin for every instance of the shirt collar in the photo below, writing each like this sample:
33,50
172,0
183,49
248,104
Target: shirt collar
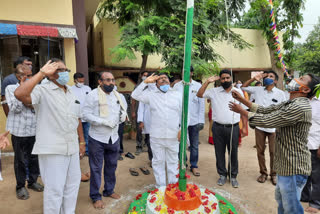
265,88
53,86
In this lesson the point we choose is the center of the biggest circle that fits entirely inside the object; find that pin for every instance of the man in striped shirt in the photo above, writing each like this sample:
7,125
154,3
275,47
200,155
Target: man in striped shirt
292,120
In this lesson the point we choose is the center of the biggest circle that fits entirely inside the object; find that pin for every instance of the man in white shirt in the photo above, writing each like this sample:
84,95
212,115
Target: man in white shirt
226,124
165,114
311,191
80,90
265,96
104,109
58,134
21,123
196,111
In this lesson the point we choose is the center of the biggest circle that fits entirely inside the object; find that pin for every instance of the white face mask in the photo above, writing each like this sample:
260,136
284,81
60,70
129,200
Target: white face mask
239,85
79,85
143,78
115,88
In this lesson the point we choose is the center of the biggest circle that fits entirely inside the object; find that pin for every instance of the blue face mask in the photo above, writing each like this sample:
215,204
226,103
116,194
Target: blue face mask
164,88
268,81
63,78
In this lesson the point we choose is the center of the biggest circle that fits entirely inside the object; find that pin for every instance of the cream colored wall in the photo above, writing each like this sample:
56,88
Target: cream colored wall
111,39
70,58
45,11
257,57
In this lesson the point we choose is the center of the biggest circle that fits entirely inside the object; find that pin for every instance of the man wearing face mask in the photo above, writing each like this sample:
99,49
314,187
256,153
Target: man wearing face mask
226,124
165,114
21,123
265,96
292,120
104,109
58,133
80,90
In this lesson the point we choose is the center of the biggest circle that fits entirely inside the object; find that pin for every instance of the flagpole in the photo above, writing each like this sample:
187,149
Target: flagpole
186,79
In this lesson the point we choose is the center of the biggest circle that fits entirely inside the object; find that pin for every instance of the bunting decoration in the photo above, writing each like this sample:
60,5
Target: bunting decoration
277,45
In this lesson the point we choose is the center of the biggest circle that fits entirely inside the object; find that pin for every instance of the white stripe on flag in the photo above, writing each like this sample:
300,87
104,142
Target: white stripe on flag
190,3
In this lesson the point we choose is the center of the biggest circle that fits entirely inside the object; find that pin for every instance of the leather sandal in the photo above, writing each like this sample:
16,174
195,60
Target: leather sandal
133,172
262,178
274,179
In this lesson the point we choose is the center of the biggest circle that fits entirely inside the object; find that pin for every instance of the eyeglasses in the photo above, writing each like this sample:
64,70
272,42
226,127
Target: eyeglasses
109,80
63,70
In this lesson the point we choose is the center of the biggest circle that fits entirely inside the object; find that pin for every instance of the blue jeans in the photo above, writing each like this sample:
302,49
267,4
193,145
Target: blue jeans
193,132
85,127
288,193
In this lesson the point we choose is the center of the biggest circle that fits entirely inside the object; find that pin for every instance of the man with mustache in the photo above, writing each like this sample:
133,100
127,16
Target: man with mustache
226,124
165,115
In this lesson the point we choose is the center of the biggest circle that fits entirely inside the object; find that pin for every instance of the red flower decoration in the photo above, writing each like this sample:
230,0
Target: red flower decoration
207,210
134,208
153,199
138,197
186,212
187,176
230,211
177,176
214,206
158,208
222,202
204,197
170,211
205,203
195,187
192,193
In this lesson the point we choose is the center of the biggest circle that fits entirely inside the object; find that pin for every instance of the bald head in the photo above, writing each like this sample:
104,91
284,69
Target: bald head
23,71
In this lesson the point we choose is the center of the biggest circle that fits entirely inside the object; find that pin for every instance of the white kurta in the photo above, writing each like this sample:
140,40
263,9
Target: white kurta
165,117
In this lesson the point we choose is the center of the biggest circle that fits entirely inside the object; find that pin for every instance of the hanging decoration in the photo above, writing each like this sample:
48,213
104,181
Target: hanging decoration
273,29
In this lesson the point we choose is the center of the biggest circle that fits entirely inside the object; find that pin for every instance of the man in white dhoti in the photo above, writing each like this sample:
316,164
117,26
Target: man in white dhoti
165,114
58,134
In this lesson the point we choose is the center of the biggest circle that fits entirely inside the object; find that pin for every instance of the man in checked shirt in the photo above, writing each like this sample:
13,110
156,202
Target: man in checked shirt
292,120
21,123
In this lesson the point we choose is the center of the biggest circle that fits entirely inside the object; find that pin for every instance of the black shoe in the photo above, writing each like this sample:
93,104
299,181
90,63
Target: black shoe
22,193
129,155
36,187
234,183
120,158
222,180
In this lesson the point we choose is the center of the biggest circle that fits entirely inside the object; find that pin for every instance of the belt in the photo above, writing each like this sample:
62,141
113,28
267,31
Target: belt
226,125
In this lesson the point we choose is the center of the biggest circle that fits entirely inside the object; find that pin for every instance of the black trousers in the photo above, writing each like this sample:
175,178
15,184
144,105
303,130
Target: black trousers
221,138
22,147
139,137
147,141
311,191
120,133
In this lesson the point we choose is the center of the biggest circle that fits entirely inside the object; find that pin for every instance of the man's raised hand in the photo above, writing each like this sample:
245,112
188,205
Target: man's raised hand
236,95
213,79
4,141
151,79
49,68
259,77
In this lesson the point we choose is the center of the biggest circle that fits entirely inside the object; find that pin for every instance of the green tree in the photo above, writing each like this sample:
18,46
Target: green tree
308,53
288,18
164,22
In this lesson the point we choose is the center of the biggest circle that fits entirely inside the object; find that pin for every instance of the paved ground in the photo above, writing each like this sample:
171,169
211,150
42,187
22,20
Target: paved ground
250,197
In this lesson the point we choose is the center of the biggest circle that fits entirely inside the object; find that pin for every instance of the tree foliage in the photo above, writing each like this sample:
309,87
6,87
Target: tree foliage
308,53
158,26
288,18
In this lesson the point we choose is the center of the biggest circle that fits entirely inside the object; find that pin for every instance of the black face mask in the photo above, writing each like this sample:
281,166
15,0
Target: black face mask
108,88
226,84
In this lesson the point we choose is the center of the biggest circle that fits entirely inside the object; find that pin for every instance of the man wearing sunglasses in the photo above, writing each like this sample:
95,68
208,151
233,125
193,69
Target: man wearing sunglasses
21,123
104,109
58,133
